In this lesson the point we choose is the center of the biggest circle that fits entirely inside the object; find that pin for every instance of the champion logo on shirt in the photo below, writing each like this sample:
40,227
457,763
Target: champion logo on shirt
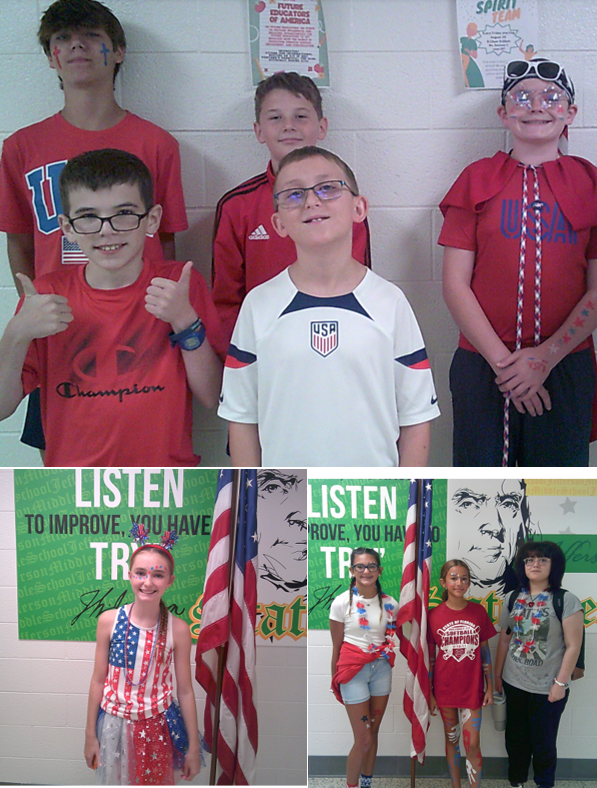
259,234
324,336
460,639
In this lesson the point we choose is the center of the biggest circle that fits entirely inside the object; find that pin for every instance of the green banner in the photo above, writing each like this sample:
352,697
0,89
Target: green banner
73,546
349,513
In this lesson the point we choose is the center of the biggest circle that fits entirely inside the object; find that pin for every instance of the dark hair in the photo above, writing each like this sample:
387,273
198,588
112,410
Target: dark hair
310,152
294,83
444,571
541,550
101,169
75,14
365,551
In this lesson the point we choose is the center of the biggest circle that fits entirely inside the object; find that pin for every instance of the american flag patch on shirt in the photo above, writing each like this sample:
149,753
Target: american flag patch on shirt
71,253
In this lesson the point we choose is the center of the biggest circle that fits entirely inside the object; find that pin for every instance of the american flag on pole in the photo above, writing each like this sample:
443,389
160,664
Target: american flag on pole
228,619
414,601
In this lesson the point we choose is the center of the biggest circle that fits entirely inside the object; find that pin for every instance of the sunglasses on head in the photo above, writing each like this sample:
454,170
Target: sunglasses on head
549,70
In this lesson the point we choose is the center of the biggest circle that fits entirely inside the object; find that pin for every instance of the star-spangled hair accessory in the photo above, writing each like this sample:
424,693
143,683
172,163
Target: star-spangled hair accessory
140,534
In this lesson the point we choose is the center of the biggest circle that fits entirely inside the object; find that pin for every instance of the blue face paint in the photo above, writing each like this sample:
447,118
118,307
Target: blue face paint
104,50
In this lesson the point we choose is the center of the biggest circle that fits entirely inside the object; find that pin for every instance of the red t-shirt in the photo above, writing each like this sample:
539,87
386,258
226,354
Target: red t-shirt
113,390
482,214
33,158
458,674
247,251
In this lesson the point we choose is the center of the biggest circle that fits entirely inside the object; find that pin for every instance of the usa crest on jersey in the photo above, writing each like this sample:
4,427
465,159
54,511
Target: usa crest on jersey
324,336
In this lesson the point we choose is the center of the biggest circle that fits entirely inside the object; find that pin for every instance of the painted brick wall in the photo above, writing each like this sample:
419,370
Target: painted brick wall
44,687
397,113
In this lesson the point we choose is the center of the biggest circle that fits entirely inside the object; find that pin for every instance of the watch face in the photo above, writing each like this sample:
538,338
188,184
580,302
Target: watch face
191,343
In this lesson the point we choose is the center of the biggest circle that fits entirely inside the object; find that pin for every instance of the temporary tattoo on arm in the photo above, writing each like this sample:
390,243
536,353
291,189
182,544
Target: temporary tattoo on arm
486,658
578,322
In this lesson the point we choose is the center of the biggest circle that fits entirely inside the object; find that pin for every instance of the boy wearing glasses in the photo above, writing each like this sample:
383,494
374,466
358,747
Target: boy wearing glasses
118,346
327,365
85,45
247,251
520,279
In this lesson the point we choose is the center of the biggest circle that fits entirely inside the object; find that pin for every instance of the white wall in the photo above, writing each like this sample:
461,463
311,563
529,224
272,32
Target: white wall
44,687
397,111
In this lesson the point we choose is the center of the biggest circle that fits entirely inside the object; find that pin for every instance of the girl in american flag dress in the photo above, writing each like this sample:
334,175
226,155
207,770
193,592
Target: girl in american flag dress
136,733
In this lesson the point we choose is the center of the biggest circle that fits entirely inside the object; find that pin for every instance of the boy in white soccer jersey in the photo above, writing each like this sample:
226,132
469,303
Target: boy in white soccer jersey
327,364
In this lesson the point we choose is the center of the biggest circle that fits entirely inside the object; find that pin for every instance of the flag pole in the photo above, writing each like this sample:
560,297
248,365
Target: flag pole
222,649
413,759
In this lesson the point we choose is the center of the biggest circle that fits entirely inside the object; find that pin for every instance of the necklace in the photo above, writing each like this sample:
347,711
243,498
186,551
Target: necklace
536,206
126,653
388,646
525,599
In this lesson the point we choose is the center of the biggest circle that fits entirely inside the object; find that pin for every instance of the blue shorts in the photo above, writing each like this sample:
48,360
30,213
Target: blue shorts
371,681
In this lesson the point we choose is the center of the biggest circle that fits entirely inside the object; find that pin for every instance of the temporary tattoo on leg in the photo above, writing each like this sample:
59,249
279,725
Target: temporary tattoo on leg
104,50
56,52
471,773
365,719
477,721
466,738
465,715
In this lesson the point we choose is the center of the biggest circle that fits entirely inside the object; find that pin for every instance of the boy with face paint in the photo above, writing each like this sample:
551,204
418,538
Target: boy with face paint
520,279
85,44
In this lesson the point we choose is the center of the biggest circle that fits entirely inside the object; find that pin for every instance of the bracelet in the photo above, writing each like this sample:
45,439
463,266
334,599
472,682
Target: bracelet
559,683
189,338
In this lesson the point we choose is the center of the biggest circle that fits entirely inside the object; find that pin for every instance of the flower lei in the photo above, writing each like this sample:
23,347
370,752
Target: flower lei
536,615
388,646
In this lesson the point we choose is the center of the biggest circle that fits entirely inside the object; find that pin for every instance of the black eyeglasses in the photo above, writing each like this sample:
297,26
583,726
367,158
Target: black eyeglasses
89,224
362,567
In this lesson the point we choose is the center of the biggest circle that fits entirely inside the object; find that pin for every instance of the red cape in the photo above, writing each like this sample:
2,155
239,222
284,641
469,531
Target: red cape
351,660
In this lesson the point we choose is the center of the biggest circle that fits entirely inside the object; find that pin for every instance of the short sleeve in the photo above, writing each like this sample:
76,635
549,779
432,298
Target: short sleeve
415,392
338,609
238,401
168,186
592,245
15,207
505,612
572,605
487,628
459,229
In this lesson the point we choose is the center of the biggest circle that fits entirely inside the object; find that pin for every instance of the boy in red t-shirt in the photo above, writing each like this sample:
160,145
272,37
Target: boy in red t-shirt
118,346
520,279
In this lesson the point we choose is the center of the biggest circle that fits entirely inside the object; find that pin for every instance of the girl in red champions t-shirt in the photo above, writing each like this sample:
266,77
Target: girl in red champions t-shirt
461,674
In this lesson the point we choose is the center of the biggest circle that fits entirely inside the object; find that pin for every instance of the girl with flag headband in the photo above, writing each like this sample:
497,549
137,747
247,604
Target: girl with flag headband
535,660
137,733
363,628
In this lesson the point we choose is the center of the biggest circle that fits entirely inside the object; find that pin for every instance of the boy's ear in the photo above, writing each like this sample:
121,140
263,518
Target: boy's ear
502,114
258,133
118,54
572,110
278,224
361,208
154,217
66,228
323,128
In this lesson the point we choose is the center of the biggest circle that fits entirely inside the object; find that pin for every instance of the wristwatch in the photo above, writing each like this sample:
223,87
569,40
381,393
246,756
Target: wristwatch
190,338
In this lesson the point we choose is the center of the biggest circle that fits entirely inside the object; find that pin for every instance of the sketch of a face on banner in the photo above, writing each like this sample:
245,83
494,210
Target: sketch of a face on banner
488,519
282,525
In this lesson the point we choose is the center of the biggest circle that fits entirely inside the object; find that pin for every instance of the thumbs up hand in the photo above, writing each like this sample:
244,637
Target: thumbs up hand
42,314
168,299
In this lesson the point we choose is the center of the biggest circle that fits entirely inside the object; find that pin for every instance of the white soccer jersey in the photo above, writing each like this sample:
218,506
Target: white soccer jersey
329,380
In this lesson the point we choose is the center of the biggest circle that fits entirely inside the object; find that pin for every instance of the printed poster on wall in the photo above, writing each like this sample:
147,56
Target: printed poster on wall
349,513
488,519
73,546
288,36
491,33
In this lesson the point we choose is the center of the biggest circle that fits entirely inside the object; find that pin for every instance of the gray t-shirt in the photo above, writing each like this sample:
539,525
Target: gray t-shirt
535,670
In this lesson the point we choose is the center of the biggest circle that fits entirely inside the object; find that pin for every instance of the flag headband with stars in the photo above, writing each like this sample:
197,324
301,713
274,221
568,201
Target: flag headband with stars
140,535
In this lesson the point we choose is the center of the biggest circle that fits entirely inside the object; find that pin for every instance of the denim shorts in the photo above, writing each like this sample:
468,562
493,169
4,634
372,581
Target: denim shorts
372,680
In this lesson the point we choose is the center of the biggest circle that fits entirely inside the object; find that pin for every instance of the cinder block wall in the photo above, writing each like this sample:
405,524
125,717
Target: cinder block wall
44,687
397,111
